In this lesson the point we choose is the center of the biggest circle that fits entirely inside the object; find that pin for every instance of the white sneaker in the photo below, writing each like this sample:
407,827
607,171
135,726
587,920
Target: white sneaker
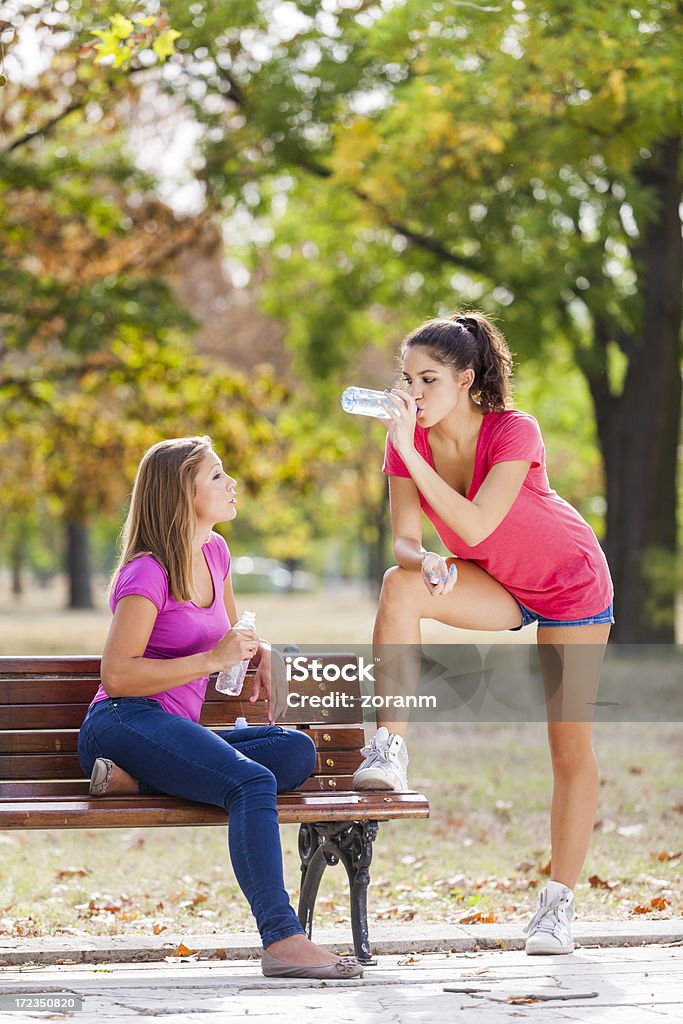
549,930
385,765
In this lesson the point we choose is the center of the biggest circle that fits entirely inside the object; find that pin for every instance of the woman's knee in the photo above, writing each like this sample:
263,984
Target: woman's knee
255,776
571,748
297,761
397,583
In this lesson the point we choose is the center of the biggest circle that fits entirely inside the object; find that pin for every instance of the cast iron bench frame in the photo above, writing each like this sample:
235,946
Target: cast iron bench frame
43,701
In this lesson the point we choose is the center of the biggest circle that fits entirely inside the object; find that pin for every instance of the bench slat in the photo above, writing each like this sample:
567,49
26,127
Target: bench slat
72,689
11,791
45,665
67,766
66,742
131,812
70,716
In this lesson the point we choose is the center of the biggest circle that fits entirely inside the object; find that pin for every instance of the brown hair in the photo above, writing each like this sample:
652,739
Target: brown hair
161,518
469,342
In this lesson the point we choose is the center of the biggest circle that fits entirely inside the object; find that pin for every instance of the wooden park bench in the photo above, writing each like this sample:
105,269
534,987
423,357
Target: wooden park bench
44,700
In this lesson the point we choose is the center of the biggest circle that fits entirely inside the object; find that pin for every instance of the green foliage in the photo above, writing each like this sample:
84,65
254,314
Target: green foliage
125,39
75,428
664,576
372,166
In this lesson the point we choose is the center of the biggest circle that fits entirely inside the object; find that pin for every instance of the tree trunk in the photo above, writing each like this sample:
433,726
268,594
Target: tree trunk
639,429
17,553
78,565
377,548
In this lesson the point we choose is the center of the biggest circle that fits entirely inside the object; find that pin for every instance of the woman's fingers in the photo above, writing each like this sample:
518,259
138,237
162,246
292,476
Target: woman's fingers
442,580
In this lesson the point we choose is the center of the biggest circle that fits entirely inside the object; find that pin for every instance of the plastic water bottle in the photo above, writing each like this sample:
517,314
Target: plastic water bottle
364,402
231,680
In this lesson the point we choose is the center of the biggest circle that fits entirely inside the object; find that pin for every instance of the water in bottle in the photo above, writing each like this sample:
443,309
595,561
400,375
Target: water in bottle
231,680
364,402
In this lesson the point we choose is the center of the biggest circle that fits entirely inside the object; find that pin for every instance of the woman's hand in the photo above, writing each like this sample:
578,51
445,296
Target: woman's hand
271,676
235,646
403,412
439,574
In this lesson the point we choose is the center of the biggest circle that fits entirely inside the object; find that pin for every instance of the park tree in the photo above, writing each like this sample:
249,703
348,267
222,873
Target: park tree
74,430
390,161
520,157
86,245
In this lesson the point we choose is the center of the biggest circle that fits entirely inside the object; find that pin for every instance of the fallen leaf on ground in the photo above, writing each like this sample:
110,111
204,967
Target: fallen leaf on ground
658,903
669,855
72,873
479,918
599,883
183,951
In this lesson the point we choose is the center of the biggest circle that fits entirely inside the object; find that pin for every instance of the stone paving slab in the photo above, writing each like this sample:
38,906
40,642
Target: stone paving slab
386,938
633,985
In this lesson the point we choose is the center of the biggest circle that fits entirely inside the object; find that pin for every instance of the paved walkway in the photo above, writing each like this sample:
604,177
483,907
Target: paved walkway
392,937
483,977
621,985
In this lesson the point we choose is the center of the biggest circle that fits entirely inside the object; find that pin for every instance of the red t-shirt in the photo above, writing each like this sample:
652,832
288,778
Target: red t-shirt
543,552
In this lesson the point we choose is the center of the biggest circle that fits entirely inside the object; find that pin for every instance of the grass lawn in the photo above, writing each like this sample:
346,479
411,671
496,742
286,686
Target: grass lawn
483,851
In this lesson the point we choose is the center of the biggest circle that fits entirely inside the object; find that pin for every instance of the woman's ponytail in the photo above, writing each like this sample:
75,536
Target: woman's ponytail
491,386
470,341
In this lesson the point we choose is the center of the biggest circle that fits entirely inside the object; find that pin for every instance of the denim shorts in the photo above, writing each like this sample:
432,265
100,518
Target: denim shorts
590,620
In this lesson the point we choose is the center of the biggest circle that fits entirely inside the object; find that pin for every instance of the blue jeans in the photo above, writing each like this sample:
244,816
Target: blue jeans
602,618
240,770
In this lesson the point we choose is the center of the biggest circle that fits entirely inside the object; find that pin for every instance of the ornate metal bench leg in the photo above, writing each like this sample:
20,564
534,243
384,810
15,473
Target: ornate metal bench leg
313,864
357,856
323,843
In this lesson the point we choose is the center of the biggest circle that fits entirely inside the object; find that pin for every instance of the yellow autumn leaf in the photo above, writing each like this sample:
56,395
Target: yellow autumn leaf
164,44
120,26
615,84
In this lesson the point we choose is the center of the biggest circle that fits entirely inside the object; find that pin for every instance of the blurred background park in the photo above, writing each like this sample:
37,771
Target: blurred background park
216,216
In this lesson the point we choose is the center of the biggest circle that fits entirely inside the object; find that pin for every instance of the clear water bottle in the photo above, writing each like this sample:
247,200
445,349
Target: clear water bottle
231,680
364,402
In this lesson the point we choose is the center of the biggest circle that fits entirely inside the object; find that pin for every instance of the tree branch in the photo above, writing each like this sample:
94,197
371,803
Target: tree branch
52,122
422,241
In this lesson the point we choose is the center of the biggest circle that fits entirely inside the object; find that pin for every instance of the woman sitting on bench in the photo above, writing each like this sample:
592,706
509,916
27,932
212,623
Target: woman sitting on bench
173,606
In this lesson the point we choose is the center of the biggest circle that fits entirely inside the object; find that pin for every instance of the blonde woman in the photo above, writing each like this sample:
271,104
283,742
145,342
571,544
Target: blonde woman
173,605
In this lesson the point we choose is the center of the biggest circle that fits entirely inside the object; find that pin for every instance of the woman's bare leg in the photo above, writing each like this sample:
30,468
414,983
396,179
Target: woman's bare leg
571,659
476,602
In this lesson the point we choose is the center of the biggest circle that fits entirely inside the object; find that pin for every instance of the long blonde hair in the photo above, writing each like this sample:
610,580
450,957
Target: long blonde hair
160,521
